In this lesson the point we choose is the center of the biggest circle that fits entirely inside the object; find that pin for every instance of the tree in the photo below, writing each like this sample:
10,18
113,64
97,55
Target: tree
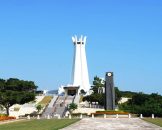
72,107
128,94
99,83
2,84
15,91
118,95
82,92
39,108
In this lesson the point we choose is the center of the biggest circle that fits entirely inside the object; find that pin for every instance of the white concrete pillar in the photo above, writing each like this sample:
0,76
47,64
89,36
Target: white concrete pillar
117,116
38,117
153,116
59,117
104,116
69,116
48,117
141,116
81,116
93,116
129,116
28,117
90,105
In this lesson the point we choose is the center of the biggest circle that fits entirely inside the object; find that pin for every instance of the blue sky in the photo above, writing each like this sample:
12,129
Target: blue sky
123,36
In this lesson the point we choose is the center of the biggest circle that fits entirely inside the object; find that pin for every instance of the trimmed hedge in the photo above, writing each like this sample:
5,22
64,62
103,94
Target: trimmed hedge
111,112
3,118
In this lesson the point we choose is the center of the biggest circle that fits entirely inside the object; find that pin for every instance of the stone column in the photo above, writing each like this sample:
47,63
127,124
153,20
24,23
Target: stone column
38,117
28,117
81,116
129,116
48,117
69,116
92,116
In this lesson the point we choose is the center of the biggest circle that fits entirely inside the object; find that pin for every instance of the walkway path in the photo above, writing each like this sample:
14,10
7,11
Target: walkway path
112,124
10,121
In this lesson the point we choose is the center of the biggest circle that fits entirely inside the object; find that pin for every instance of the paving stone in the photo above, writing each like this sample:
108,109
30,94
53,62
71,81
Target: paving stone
112,124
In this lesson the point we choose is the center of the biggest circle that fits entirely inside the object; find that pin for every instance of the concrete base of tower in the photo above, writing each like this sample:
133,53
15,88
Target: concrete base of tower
71,90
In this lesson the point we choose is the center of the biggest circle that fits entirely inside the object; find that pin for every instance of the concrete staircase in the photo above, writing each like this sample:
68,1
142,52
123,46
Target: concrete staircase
62,104
50,108
69,99
58,106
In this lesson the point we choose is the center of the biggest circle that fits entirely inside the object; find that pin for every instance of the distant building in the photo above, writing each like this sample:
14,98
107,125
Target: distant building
52,92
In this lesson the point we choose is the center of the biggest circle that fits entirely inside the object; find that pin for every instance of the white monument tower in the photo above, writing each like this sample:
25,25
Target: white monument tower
80,75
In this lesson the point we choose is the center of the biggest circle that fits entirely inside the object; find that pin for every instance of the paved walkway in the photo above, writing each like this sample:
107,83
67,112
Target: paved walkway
112,124
10,121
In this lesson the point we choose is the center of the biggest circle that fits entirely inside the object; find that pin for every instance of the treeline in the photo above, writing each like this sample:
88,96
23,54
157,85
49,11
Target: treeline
15,91
127,94
145,104
17,85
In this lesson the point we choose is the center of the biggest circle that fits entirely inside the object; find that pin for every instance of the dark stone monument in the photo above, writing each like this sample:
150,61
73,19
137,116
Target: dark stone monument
109,92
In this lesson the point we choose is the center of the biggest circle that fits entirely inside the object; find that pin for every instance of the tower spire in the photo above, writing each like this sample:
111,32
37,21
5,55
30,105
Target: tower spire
80,76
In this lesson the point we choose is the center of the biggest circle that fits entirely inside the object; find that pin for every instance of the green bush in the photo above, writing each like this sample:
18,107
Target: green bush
144,104
72,106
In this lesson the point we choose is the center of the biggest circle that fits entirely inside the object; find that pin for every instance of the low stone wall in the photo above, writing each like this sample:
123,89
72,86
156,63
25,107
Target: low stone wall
87,110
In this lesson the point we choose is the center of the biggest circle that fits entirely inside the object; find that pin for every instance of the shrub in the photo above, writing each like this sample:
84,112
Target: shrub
72,107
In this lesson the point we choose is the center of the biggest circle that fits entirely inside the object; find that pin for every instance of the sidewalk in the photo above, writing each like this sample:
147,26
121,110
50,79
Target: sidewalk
11,121
112,124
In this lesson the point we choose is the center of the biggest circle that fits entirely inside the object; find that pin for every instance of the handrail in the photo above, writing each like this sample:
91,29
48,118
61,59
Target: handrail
65,109
55,101
45,108
74,99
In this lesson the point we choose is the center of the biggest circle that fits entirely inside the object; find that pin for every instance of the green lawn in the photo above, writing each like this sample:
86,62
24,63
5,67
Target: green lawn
44,124
156,121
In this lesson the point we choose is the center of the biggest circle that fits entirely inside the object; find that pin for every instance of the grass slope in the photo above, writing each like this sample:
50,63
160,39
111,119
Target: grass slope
45,101
156,121
52,124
